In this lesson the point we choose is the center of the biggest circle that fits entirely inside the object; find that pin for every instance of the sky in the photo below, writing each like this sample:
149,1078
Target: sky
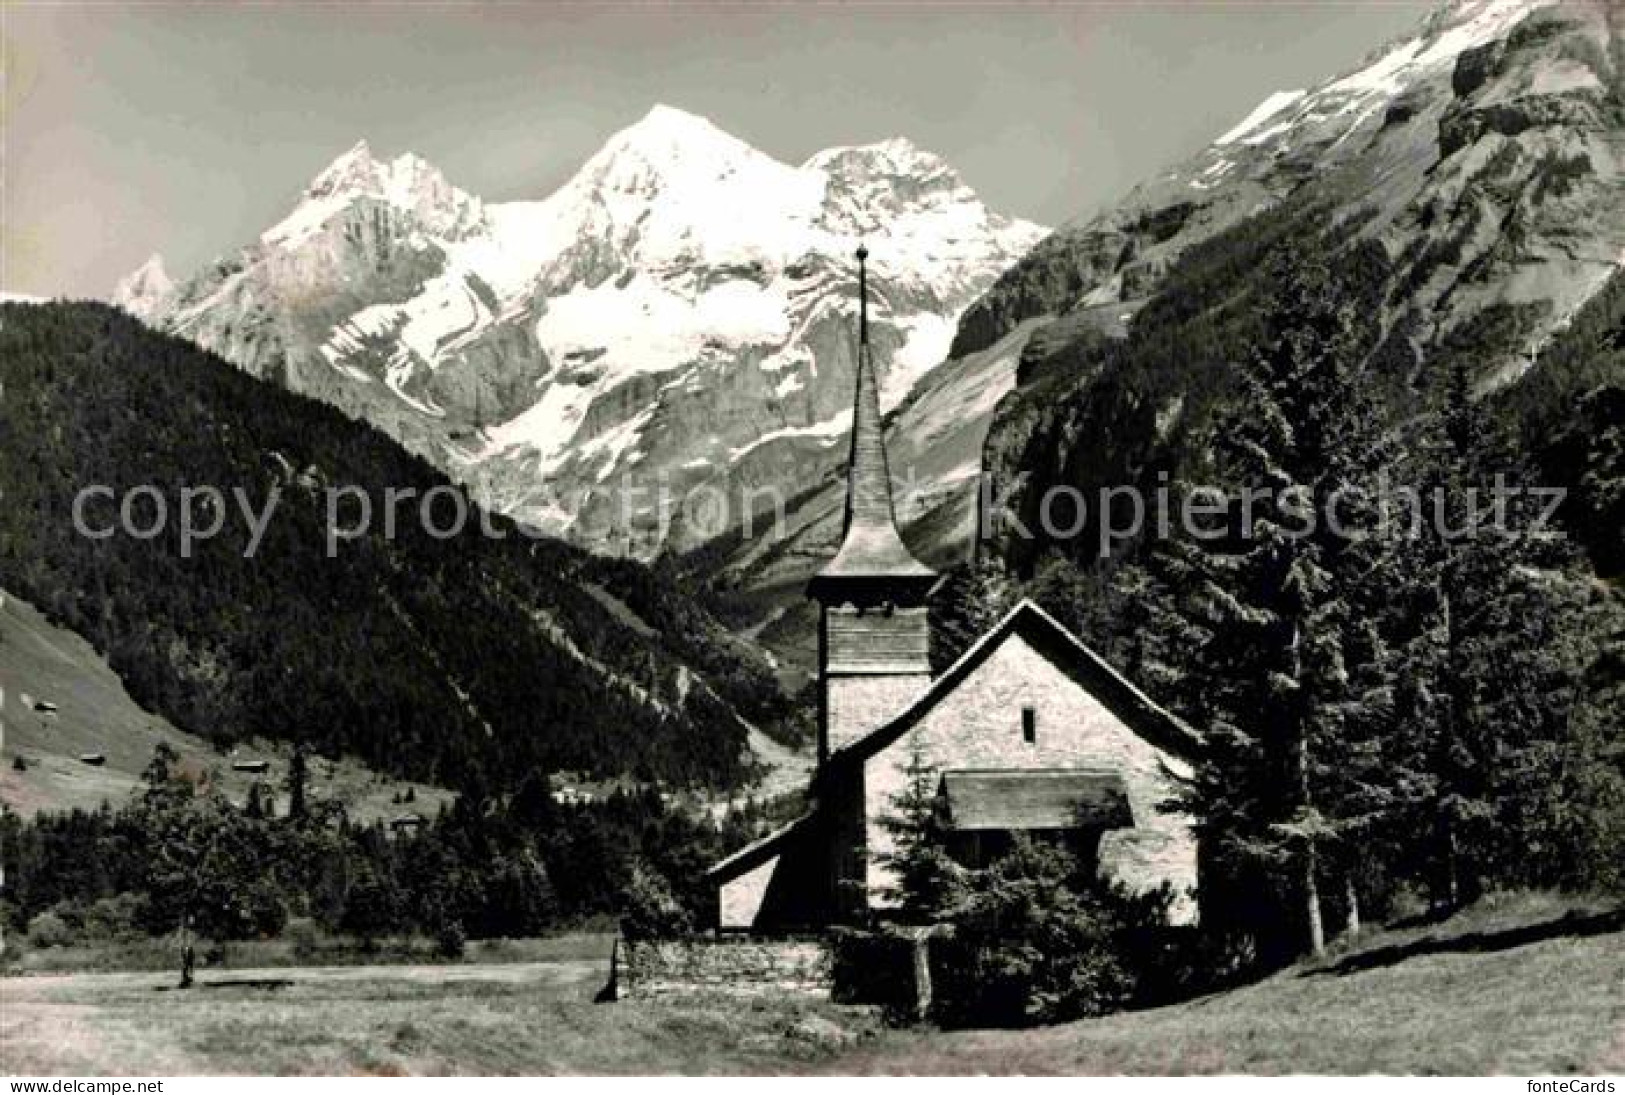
186,130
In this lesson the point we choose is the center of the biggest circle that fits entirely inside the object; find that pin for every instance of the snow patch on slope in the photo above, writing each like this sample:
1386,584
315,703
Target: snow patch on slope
828,431
1263,112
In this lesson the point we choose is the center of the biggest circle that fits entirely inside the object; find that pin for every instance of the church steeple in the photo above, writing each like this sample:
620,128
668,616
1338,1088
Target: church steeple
870,545
874,635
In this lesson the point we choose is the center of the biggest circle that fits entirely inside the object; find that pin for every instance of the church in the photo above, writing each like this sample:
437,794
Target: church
1028,731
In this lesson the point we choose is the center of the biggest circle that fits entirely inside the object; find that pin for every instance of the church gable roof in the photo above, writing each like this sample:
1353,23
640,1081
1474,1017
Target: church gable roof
1072,656
753,855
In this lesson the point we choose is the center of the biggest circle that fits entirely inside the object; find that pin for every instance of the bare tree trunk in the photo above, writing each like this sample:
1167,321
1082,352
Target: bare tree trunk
1451,869
1311,892
1452,872
188,952
1311,857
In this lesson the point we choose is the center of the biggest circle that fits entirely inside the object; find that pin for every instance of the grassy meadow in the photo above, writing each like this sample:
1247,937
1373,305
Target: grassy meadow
157,955
1528,985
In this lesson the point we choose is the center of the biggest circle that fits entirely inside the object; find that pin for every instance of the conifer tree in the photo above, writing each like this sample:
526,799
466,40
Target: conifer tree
1157,641
928,880
966,606
1278,590
1498,690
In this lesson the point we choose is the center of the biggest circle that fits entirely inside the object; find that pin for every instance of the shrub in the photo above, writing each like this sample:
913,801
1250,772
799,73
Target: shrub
112,918
12,917
650,908
49,929
450,941
1033,942
372,907
874,968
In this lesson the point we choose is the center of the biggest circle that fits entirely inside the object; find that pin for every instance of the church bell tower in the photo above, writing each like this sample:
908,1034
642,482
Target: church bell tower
873,634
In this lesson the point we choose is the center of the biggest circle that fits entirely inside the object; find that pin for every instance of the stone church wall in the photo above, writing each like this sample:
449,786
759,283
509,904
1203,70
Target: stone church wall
979,726
859,704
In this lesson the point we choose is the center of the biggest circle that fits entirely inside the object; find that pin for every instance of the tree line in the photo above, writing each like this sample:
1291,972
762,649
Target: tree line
179,857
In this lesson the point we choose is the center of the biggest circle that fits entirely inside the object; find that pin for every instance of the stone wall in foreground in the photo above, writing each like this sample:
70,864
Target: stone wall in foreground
667,969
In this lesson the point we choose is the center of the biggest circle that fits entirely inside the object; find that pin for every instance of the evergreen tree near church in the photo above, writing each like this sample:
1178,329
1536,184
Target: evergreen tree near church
929,883
1501,689
1156,641
1280,596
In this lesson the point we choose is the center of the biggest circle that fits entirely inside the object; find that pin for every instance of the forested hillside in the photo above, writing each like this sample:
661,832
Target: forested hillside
1571,413
460,660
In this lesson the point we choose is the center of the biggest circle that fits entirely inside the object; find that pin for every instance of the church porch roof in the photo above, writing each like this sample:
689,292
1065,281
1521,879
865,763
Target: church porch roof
1026,799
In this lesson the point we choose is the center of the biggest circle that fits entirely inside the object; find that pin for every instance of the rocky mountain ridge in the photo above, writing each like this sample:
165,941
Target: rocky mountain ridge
1470,177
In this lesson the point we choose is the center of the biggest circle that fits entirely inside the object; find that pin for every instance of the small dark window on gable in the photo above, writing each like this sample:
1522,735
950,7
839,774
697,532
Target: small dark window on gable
1029,725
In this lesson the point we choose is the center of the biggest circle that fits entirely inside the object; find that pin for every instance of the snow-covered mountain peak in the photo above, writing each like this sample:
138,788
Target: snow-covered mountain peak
681,307
673,181
668,143
354,168
145,290
152,274
893,159
894,151
675,122
408,183
673,189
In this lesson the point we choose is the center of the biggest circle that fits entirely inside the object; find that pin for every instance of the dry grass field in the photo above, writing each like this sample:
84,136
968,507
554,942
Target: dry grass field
531,1018
1531,985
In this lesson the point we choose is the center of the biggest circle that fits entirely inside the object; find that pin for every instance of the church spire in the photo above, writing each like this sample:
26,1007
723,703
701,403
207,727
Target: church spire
863,298
870,545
